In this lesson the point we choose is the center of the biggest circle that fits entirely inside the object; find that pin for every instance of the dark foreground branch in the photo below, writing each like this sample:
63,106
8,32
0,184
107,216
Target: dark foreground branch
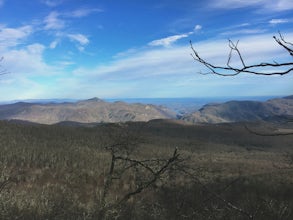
265,68
153,169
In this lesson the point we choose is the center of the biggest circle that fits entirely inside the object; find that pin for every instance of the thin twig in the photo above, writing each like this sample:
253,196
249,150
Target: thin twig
256,69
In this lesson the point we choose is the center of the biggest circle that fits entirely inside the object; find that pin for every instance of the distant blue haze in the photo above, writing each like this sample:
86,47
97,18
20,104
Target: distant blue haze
179,105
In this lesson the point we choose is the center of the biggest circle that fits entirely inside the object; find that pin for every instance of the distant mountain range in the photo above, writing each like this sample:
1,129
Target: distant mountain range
97,111
235,111
87,111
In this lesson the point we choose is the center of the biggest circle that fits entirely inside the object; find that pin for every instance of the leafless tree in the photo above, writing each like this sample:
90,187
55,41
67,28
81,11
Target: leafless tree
275,68
146,174
123,164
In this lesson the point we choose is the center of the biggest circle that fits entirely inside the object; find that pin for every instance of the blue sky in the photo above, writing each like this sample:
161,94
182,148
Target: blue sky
137,48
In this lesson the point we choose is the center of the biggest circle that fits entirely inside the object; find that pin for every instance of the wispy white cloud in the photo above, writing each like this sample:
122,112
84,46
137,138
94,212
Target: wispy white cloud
52,3
243,31
53,22
80,38
28,71
167,41
54,44
56,20
282,5
10,37
65,63
272,5
83,12
278,21
232,4
197,27
27,60
1,3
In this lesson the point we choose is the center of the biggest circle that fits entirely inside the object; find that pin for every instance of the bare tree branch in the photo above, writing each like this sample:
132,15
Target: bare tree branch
257,69
156,175
123,162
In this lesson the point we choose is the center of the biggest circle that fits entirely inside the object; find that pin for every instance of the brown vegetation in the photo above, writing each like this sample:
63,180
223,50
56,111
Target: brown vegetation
224,172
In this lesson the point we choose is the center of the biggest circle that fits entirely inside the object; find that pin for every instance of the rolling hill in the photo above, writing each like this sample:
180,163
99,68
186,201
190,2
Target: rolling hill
87,111
235,111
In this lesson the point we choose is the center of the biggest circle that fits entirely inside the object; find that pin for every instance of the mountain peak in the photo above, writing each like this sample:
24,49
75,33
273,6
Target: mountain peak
94,99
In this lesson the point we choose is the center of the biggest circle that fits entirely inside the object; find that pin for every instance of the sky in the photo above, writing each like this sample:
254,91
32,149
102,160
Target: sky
138,48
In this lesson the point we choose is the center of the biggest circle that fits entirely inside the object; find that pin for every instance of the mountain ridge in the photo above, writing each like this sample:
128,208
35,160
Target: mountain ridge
92,110
235,111
95,110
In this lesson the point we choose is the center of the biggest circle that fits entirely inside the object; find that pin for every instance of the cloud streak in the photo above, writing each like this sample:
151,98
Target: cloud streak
168,41
197,27
80,38
278,21
11,37
27,61
52,3
53,22
271,5
244,32
83,12
54,44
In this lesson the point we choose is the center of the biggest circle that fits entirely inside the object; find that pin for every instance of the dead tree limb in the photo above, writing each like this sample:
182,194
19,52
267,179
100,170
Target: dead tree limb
155,173
124,163
256,69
